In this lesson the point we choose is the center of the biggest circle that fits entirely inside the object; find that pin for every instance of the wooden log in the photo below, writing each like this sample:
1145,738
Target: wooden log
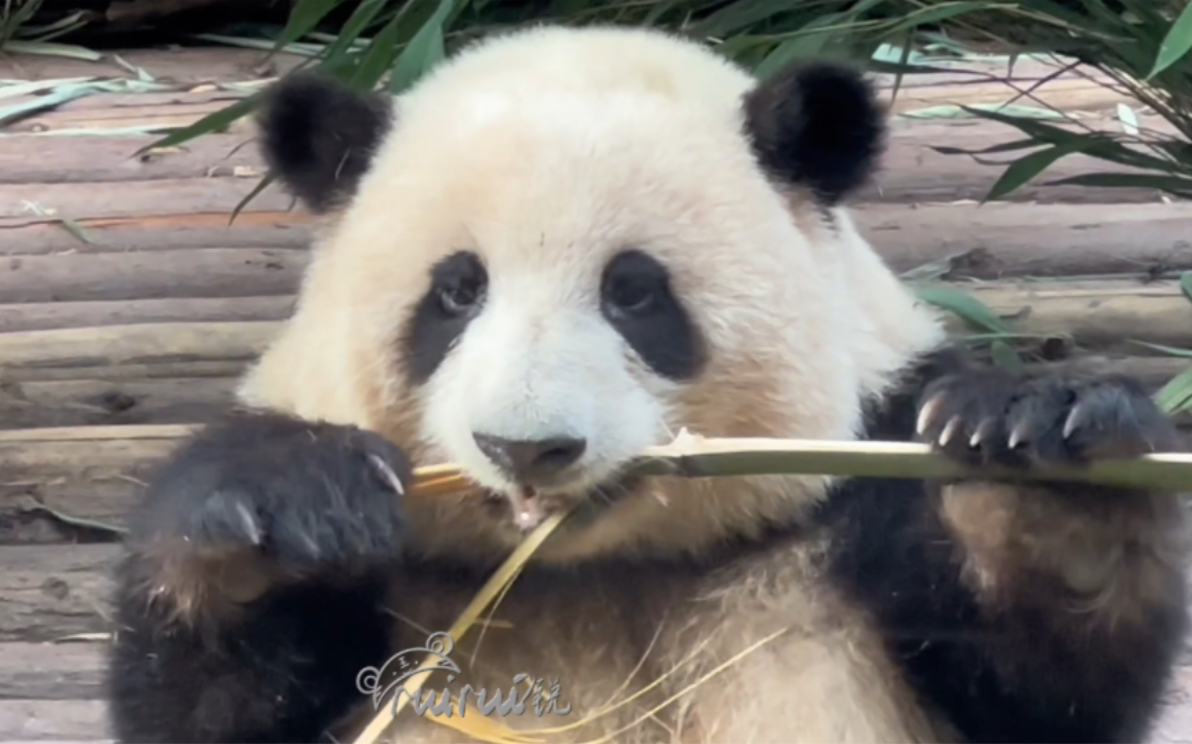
52,671
182,65
138,275
48,592
145,343
1109,316
43,316
54,721
39,235
911,171
1008,240
89,201
32,159
107,402
118,373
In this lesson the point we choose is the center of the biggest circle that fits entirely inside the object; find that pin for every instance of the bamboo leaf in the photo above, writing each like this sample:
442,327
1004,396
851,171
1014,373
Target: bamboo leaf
1186,285
212,122
304,16
1004,356
941,12
261,186
423,52
352,28
1175,44
1176,395
1028,167
1176,185
963,305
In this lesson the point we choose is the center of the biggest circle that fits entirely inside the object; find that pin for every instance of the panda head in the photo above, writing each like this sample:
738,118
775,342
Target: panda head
564,246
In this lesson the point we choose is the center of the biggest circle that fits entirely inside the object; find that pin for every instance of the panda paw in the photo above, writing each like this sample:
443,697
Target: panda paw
993,417
305,496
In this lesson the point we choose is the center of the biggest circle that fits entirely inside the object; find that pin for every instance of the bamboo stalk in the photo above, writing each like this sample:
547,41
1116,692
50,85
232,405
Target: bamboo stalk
694,456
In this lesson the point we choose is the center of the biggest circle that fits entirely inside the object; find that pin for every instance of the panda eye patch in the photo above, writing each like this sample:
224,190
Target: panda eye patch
458,287
637,300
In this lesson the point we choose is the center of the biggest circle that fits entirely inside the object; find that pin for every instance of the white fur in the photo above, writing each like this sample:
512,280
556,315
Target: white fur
546,152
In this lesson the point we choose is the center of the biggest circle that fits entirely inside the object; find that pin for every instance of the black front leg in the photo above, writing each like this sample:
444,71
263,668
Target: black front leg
253,588
1024,612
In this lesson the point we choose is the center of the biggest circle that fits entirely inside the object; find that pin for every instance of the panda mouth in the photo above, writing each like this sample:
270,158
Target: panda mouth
528,507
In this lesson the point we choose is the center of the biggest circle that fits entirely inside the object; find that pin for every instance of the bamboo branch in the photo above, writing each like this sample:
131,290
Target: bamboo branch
693,456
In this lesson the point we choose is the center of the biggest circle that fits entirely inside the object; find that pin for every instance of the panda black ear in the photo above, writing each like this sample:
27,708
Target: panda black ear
817,124
318,136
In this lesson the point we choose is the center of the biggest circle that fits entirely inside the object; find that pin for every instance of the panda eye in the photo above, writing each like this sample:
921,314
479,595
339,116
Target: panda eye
631,297
460,284
634,285
458,299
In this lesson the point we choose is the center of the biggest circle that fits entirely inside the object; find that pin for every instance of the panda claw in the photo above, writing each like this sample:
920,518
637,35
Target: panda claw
950,430
1018,435
1077,417
982,432
927,413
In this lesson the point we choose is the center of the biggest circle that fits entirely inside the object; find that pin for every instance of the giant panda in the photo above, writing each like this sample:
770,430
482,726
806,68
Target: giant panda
562,246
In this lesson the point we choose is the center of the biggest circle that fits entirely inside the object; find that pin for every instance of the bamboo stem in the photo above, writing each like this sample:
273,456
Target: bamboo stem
693,456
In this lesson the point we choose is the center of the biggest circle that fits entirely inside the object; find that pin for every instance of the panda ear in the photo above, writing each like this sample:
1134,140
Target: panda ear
817,124
318,136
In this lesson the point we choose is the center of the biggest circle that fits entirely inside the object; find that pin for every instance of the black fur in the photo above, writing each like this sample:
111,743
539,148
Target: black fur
458,289
636,299
315,505
1025,670
818,125
318,136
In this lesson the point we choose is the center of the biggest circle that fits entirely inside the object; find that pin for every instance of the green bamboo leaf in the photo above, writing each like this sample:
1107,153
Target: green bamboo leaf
1021,144
1004,356
212,122
304,16
1176,185
1176,395
261,186
1186,284
423,52
808,42
1170,350
1175,44
963,305
941,12
334,56
1028,167
380,54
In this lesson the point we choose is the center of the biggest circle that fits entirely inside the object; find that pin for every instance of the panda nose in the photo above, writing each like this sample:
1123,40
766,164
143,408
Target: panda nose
530,461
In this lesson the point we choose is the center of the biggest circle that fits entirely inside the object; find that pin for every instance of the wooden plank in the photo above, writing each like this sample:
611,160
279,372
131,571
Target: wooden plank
911,171
52,671
139,275
1102,315
106,402
53,720
42,316
39,235
134,344
89,201
1004,240
32,159
48,592
182,65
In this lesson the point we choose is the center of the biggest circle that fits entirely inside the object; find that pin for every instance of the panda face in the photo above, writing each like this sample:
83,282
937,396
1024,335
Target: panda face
564,247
